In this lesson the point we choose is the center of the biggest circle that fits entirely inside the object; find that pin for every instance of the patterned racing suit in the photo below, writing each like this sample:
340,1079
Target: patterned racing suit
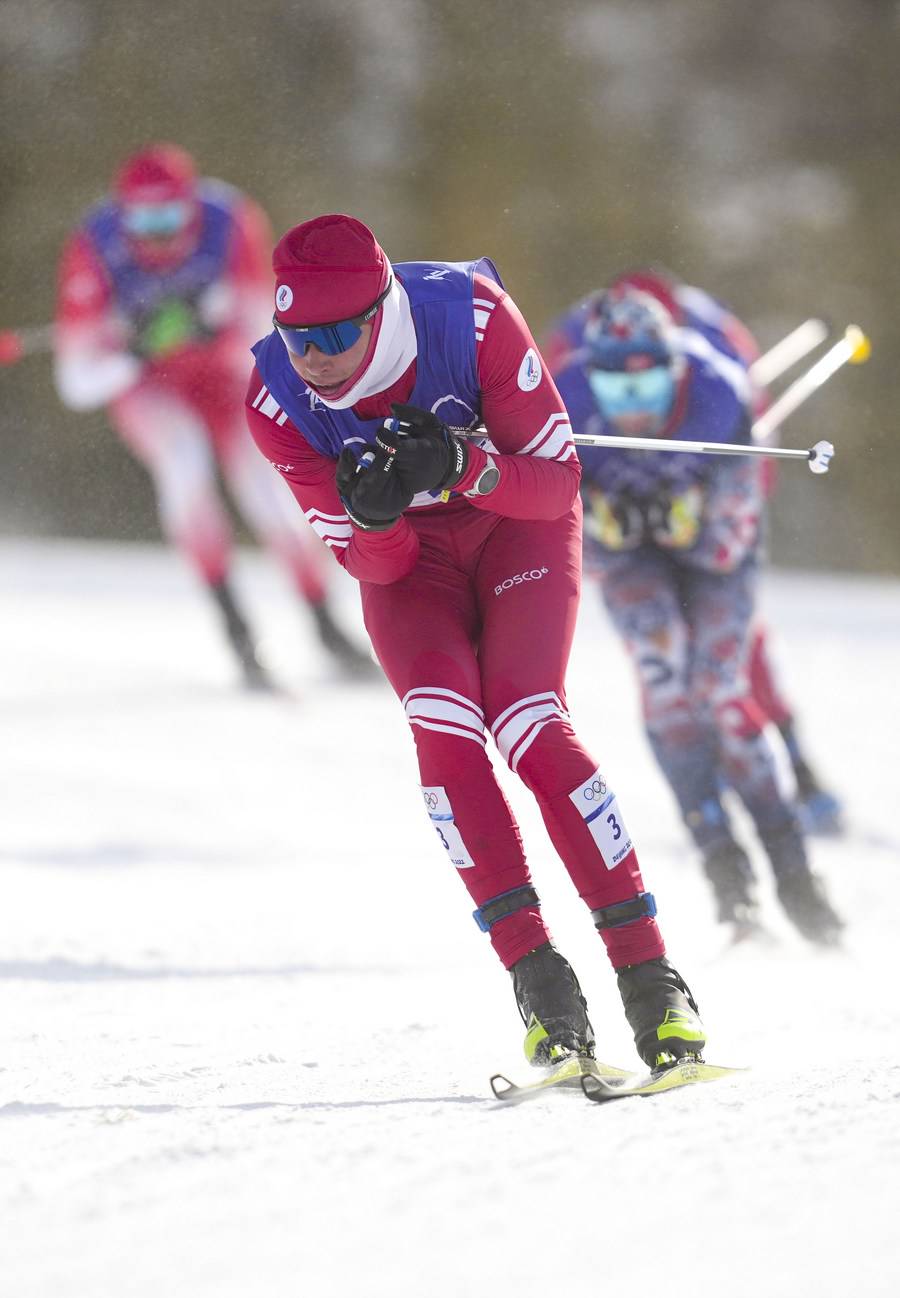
675,540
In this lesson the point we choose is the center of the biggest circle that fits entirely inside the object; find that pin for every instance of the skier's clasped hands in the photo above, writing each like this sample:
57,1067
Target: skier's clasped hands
373,493
428,456
416,452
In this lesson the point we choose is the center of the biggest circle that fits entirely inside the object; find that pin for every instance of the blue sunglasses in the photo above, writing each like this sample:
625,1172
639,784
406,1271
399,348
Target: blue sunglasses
332,339
156,220
634,392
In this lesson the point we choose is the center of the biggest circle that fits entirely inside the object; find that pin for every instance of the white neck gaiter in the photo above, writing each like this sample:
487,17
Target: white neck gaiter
395,351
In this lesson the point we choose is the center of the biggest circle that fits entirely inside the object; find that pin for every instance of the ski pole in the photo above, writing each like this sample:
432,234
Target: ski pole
16,343
818,456
853,347
785,354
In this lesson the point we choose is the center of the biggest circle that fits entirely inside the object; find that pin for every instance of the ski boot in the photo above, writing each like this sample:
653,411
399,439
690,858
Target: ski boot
661,1012
552,1007
728,868
354,663
255,675
803,896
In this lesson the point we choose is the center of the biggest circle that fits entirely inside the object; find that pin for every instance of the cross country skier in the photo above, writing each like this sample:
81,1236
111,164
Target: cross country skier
820,811
468,561
162,288
676,541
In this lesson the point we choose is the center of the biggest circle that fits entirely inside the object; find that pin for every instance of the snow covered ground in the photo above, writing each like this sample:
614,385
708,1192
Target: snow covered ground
248,1024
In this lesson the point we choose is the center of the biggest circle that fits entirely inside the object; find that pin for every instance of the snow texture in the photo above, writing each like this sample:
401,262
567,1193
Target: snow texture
248,1023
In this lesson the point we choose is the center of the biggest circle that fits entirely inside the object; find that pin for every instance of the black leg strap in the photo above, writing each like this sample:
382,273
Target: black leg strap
625,912
507,903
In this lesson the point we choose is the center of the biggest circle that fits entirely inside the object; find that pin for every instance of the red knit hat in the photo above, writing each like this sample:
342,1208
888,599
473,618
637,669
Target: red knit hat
326,270
160,173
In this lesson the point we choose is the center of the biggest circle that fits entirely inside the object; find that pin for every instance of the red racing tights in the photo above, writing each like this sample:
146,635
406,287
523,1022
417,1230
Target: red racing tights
476,638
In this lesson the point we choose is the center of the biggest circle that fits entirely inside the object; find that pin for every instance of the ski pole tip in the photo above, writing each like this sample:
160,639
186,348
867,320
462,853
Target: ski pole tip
862,348
820,457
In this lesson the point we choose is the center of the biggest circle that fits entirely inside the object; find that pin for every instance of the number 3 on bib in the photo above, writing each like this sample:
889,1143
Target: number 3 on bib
597,804
437,804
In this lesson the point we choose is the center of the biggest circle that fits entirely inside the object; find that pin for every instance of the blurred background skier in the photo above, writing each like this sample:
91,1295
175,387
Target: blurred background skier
675,540
820,810
162,288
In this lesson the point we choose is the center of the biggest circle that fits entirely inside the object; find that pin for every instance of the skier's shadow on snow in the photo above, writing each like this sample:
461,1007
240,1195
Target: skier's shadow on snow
125,855
17,1109
59,969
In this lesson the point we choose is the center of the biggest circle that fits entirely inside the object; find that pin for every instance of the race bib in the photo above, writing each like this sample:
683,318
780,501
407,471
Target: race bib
598,806
437,804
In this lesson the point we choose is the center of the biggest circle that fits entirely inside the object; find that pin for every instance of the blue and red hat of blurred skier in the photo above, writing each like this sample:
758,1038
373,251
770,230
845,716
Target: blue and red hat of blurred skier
630,358
625,324
156,193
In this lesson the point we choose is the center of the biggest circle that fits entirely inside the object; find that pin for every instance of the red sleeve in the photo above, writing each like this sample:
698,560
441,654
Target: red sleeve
524,416
92,363
83,294
379,557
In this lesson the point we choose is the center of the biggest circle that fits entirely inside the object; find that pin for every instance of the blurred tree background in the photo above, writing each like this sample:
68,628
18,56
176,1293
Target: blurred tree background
752,149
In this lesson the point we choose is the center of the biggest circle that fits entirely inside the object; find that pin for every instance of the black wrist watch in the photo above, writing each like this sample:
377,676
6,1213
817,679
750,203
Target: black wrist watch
486,481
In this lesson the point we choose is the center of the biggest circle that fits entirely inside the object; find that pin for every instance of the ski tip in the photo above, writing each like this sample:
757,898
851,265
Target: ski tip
597,1090
566,1074
501,1086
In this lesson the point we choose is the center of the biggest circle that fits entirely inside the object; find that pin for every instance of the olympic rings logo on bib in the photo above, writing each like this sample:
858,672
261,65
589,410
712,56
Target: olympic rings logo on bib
596,789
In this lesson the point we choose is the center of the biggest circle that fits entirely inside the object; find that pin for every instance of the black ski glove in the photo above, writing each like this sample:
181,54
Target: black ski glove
373,493
428,456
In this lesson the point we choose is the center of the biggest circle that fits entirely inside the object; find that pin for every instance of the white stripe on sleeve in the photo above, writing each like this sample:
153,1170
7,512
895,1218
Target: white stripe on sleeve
554,441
